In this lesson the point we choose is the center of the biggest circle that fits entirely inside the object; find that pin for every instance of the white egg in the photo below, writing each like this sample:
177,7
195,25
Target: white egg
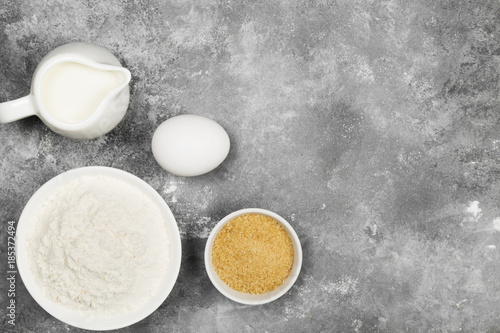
190,145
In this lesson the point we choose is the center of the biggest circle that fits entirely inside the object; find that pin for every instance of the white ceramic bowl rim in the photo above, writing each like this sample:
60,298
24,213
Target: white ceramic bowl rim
246,298
74,318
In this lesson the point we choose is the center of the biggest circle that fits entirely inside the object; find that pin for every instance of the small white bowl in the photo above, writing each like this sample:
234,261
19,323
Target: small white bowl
246,298
75,318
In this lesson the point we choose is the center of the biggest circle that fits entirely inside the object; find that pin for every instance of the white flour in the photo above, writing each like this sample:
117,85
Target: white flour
99,246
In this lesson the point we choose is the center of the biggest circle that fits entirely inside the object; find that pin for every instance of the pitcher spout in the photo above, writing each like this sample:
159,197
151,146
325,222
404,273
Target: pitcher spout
124,76
120,95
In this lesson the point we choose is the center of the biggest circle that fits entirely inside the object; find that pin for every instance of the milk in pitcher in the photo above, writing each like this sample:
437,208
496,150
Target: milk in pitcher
72,92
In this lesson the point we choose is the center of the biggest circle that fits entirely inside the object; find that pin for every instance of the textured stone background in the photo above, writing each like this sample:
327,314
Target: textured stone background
372,126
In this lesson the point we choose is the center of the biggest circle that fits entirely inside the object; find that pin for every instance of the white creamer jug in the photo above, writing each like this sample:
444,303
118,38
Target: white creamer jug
79,90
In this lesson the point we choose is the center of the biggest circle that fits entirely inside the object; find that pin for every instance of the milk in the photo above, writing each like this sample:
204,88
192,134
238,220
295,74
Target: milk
72,92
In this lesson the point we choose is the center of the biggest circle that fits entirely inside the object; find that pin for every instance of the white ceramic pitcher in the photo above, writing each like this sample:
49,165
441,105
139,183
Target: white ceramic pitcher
103,119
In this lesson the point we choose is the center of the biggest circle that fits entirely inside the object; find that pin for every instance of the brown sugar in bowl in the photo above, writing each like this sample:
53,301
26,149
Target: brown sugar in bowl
253,256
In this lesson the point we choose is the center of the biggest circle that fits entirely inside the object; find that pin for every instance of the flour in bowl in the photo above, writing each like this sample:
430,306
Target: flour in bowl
99,246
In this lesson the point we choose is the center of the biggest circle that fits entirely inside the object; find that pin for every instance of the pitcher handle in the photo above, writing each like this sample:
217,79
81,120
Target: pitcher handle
17,109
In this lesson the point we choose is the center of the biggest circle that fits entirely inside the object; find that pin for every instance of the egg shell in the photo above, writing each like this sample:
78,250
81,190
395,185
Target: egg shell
190,145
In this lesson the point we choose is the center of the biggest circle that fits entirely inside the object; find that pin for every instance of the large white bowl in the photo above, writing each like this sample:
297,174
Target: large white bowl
75,318
246,298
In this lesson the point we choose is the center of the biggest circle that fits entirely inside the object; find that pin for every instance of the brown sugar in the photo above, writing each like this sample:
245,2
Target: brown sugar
253,254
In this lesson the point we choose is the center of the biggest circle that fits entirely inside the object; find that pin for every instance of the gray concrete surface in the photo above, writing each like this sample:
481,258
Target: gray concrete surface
372,126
